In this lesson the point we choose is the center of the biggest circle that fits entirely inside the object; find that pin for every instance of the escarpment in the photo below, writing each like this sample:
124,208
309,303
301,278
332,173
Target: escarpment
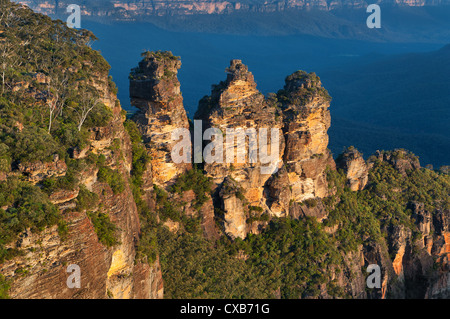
107,271
136,9
74,226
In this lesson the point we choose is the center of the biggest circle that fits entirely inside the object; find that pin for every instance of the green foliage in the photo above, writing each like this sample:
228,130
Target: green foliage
363,215
255,214
104,228
4,287
293,255
140,156
166,208
302,95
28,145
27,208
310,202
296,257
194,268
255,208
290,255
67,182
86,200
100,116
46,67
147,247
160,55
112,86
194,179
112,177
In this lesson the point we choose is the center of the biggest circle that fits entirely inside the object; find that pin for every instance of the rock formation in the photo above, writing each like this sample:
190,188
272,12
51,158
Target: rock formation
300,113
237,104
355,168
155,91
306,121
106,201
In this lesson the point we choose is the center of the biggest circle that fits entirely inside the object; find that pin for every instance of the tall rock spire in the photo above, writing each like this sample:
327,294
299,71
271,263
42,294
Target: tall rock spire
306,119
155,91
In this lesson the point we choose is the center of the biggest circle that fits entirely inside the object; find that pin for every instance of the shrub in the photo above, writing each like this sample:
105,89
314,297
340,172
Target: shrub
86,199
112,177
310,202
104,228
140,157
28,207
4,287
195,180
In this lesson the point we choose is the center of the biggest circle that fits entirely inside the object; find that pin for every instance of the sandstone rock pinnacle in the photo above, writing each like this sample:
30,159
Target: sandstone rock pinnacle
155,91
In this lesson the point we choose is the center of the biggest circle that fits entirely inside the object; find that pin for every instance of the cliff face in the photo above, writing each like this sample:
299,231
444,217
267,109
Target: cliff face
236,104
155,91
92,191
70,201
105,272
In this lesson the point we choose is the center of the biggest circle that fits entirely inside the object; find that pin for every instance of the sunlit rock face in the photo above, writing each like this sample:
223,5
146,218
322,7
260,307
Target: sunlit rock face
300,115
355,168
155,91
106,272
136,8
306,119
236,104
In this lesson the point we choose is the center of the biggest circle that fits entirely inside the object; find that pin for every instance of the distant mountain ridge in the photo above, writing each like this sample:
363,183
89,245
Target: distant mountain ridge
136,8
402,20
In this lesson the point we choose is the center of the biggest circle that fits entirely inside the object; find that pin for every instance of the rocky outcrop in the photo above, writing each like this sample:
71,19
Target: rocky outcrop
355,168
233,205
237,107
402,160
155,91
37,171
299,113
306,121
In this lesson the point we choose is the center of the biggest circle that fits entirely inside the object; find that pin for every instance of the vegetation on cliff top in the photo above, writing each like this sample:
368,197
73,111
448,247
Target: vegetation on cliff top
301,87
24,206
47,98
48,104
